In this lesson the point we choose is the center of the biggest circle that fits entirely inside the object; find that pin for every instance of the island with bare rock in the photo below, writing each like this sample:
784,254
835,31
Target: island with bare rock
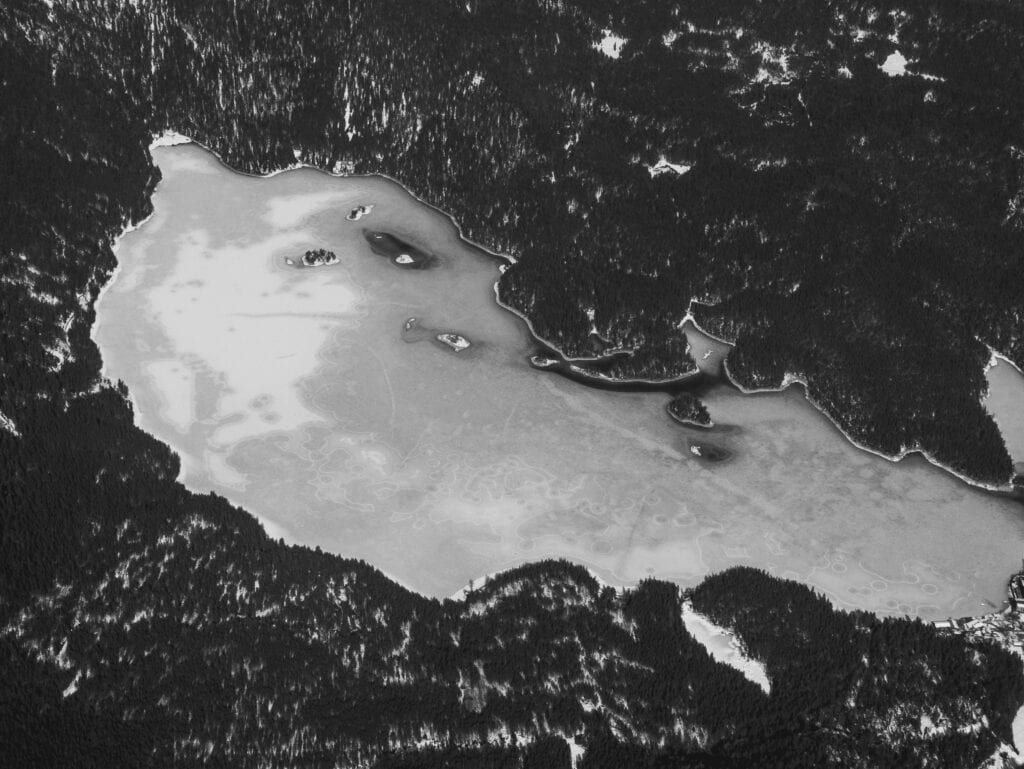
319,257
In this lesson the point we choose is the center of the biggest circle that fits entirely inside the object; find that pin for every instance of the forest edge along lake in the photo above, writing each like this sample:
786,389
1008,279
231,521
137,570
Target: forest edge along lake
294,394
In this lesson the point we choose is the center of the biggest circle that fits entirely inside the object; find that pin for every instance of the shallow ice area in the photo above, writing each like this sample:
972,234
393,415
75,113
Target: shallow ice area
304,395
724,647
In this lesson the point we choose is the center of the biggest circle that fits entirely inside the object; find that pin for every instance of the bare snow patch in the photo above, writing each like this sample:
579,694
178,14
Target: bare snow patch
6,423
61,352
895,64
1004,752
663,167
928,728
168,139
1018,735
611,44
1003,401
175,381
73,686
575,751
724,647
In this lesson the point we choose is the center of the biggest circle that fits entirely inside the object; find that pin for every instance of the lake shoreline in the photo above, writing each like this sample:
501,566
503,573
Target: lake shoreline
1008,490
708,375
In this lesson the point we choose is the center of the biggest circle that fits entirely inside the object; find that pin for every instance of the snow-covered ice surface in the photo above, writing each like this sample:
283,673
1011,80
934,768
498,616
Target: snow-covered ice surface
723,646
575,752
309,409
1005,402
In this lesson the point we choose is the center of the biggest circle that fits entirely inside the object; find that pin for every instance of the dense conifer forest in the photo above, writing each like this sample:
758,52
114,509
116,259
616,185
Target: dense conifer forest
860,231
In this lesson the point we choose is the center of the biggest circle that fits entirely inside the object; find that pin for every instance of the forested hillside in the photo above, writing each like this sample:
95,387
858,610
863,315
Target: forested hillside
862,232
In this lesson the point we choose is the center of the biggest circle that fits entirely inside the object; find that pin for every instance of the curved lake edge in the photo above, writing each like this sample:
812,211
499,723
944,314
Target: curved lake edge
637,384
998,357
1009,491
272,529
169,137
465,594
695,377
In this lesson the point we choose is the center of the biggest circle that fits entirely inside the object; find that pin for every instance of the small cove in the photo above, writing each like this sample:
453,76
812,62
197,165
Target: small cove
300,394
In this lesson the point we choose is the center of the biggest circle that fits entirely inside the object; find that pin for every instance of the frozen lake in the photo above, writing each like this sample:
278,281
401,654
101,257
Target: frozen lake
311,397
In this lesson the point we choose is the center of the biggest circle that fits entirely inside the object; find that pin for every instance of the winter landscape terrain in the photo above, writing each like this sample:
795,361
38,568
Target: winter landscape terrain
254,430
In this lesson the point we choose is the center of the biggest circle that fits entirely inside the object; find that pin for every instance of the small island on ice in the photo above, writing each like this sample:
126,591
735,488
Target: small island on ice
688,409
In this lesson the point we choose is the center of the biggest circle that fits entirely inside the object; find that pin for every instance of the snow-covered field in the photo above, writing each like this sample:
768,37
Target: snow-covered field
724,647
293,392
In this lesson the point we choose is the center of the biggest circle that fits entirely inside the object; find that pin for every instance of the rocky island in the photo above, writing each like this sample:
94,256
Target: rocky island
317,257
687,409
456,342
358,213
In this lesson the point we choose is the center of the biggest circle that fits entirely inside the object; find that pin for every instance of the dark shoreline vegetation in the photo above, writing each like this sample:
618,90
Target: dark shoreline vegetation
144,625
602,373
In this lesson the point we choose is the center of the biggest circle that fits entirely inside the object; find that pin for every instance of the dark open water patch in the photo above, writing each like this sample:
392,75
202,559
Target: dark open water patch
401,254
